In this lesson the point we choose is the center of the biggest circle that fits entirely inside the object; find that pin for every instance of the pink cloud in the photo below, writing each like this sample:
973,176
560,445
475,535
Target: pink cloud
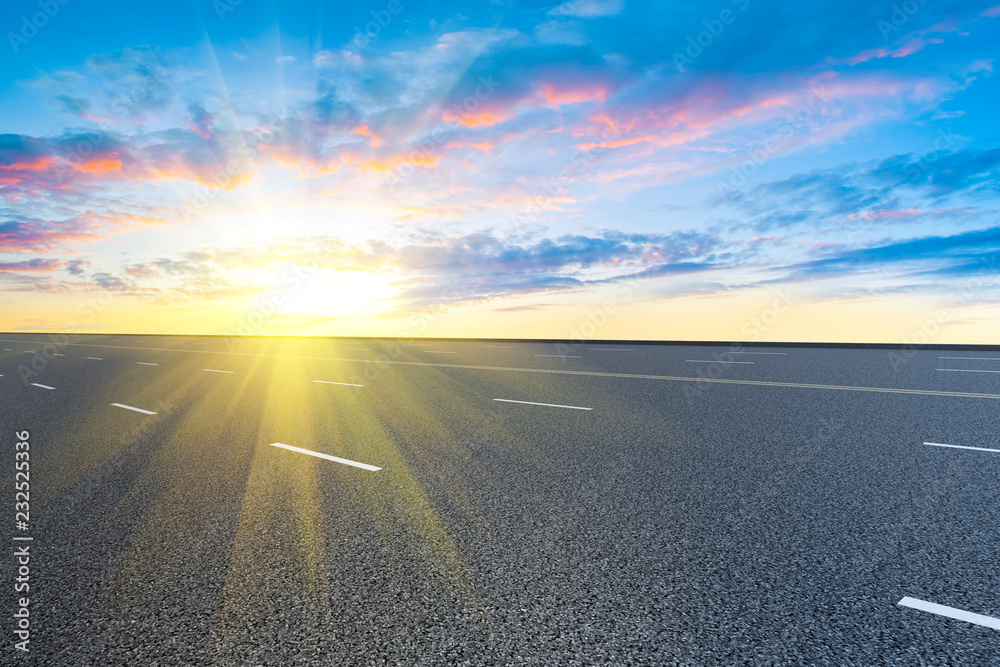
21,236
556,97
617,143
907,49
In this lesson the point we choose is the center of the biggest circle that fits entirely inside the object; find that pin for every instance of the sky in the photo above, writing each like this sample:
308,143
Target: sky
755,170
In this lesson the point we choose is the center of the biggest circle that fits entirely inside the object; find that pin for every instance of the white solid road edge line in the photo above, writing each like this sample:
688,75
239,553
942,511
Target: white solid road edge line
548,405
965,370
978,449
129,407
346,384
950,612
979,358
212,370
337,459
43,386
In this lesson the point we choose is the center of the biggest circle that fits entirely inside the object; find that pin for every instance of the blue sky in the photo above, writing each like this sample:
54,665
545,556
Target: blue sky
504,169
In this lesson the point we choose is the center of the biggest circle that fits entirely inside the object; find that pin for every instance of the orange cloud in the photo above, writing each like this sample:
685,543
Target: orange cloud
373,140
416,160
303,166
21,172
485,146
40,163
101,165
481,118
555,98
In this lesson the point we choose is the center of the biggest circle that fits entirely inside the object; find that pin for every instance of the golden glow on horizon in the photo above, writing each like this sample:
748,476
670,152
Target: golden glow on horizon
351,303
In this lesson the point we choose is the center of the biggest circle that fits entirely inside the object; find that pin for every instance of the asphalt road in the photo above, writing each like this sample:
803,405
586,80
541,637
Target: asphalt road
774,512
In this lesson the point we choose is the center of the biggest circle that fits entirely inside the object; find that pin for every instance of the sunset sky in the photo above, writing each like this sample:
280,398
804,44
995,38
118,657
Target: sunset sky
723,170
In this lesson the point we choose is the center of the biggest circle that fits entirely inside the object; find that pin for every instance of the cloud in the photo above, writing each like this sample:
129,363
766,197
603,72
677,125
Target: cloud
77,106
518,309
75,267
111,283
957,255
876,190
190,265
201,121
37,265
909,48
467,268
20,234
589,8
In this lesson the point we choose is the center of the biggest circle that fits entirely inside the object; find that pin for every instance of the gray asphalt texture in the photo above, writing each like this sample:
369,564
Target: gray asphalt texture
674,523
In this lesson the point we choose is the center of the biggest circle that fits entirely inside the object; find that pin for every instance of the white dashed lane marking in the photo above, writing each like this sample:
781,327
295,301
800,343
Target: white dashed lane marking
950,612
548,405
706,361
978,449
337,459
129,407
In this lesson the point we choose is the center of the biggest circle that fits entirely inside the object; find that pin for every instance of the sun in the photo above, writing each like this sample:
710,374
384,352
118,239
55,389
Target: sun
333,293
